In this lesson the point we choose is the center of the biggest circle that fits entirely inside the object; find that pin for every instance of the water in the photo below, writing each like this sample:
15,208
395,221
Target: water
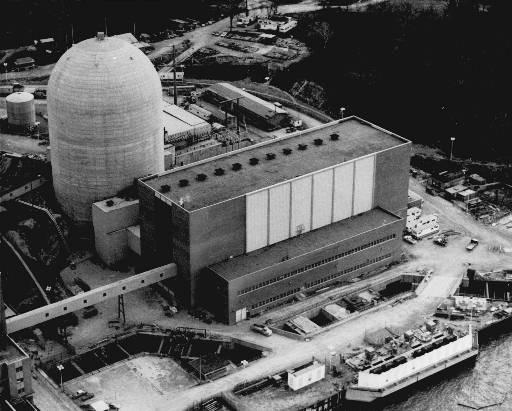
489,382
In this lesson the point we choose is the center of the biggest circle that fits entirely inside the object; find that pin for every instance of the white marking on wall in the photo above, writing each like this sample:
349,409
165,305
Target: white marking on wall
363,187
306,203
322,198
301,206
343,191
279,218
256,220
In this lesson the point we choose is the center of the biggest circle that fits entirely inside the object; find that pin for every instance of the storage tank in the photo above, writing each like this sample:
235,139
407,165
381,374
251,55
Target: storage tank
105,122
21,111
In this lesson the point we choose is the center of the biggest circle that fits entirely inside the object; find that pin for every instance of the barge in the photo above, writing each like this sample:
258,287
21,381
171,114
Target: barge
378,383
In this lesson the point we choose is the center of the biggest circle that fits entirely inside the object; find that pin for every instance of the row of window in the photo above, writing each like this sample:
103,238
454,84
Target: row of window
321,280
348,270
274,298
316,264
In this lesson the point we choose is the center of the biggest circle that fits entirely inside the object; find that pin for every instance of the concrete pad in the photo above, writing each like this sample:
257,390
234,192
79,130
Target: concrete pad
143,383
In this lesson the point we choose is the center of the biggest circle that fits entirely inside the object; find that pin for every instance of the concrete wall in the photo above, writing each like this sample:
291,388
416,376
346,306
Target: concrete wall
392,179
216,233
110,224
133,234
169,156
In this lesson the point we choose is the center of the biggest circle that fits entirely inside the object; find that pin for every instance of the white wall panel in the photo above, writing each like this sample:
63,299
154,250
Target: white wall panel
363,187
301,206
322,198
279,219
343,191
256,220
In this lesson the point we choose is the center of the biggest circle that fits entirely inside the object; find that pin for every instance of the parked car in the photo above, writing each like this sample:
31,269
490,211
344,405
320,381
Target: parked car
87,397
262,329
409,239
472,244
79,394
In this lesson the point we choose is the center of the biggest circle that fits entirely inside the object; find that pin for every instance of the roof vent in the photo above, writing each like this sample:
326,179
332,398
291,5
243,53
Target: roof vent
303,147
318,141
201,177
165,188
183,182
271,156
335,136
253,161
100,36
287,151
236,166
219,171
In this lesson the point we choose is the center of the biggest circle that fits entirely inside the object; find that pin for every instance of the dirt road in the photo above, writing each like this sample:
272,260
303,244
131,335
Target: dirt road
200,37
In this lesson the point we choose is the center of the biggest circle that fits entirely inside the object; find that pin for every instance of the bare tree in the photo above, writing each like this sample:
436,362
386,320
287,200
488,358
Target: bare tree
234,9
324,31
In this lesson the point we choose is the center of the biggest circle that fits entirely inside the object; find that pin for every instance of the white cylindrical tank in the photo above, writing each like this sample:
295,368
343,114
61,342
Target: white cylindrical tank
105,122
20,109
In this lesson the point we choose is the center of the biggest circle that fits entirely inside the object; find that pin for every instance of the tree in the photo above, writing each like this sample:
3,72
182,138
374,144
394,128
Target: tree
324,31
234,9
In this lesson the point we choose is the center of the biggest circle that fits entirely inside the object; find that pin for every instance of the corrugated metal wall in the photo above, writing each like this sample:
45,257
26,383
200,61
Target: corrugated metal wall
310,202
301,206
256,220
279,216
363,187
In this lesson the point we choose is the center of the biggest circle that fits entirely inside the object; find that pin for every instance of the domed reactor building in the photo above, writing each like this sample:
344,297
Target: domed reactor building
105,122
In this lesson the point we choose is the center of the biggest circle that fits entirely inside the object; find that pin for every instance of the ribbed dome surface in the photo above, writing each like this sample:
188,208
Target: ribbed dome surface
105,122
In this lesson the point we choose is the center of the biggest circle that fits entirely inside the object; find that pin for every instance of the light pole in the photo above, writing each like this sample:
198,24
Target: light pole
342,112
5,69
60,367
452,139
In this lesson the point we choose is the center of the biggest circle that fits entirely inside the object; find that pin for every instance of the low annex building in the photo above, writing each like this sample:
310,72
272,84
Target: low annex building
251,228
261,113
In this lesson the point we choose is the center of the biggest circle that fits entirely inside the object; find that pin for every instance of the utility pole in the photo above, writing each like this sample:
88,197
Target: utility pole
72,35
174,75
452,139
3,327
238,117
106,29
60,367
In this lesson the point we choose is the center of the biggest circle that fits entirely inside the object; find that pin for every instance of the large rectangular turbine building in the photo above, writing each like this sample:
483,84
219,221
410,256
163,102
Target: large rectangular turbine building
252,228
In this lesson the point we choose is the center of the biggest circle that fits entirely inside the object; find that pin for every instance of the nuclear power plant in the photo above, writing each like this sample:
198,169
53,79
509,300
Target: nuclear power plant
105,122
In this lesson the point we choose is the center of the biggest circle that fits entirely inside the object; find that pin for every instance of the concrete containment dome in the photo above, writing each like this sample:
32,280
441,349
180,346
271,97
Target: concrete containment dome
20,109
105,122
